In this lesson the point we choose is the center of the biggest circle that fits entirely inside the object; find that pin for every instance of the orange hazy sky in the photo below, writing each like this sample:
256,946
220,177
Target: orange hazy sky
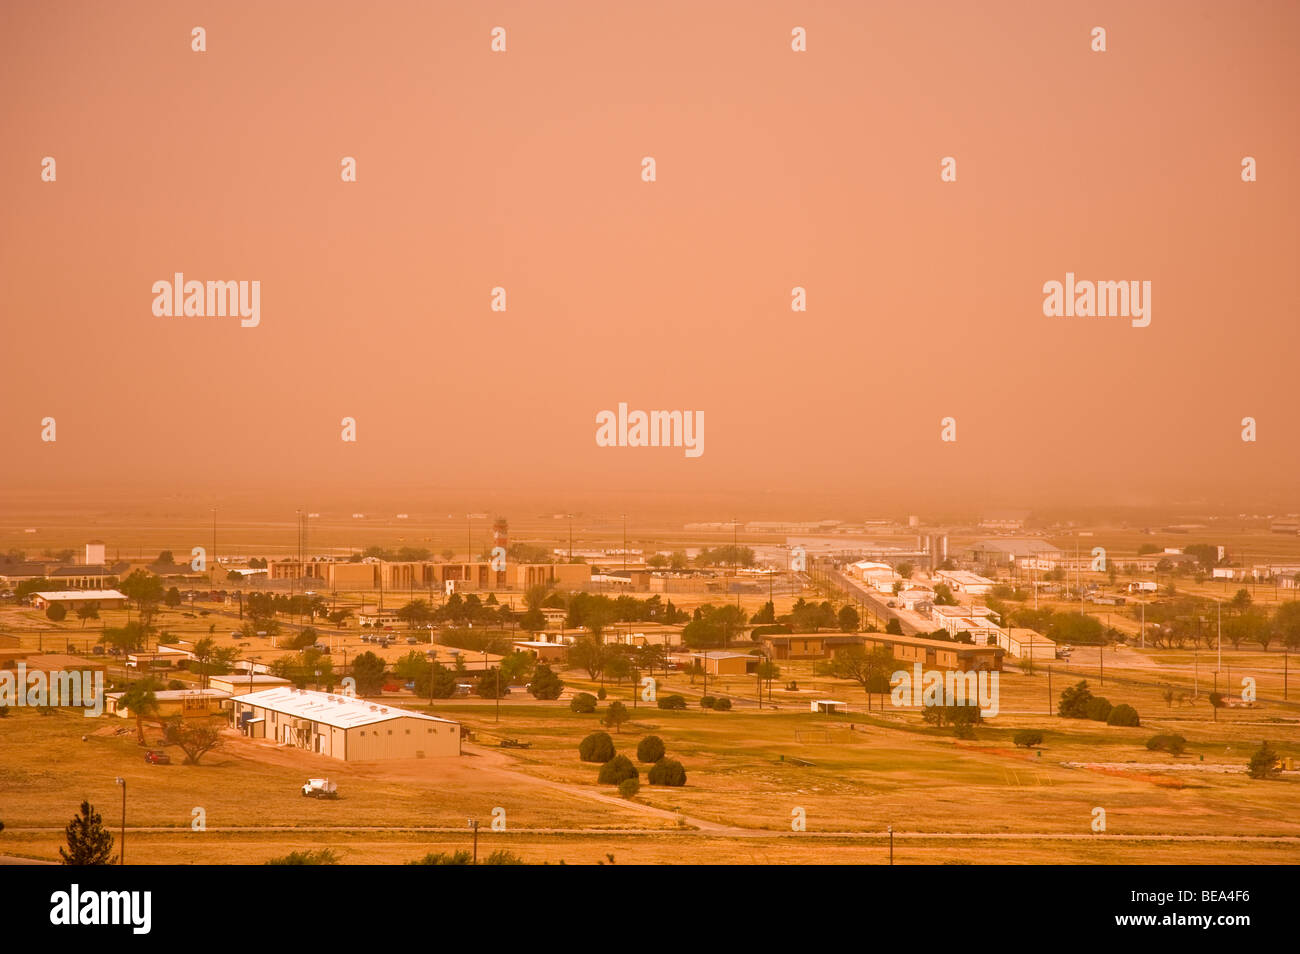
775,169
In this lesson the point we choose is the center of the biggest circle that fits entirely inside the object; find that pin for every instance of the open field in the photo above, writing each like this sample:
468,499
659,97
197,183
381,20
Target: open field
947,800
873,767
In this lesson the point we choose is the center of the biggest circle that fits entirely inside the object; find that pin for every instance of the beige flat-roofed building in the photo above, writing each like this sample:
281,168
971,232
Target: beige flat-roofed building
75,599
243,683
343,727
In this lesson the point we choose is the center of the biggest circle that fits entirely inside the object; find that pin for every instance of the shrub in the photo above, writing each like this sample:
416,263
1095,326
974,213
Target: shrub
1123,714
322,857
617,770
597,747
1028,738
600,693
1097,708
56,612
629,787
1173,744
1074,700
503,857
667,772
545,683
963,730
583,702
616,715
1262,764
441,858
707,702
722,705
673,702
650,749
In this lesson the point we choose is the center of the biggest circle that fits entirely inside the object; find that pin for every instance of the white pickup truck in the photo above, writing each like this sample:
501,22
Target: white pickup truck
320,788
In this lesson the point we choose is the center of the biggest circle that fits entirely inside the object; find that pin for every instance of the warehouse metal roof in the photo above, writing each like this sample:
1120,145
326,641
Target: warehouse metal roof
344,712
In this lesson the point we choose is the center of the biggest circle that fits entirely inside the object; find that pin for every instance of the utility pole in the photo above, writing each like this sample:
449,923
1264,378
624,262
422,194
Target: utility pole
1049,690
121,853
891,844
473,823
1219,664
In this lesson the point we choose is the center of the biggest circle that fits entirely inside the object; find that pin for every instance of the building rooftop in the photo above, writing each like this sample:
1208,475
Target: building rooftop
80,595
344,712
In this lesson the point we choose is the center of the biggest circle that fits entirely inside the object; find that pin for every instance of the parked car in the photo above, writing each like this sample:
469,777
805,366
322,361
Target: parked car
155,757
320,788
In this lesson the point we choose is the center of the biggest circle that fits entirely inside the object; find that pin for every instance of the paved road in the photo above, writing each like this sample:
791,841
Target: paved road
720,831
877,604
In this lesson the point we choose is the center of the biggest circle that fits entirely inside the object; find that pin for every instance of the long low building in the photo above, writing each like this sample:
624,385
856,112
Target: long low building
809,645
425,574
343,727
75,599
933,653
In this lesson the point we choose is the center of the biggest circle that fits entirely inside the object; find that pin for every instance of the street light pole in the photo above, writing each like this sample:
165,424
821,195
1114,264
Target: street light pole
121,855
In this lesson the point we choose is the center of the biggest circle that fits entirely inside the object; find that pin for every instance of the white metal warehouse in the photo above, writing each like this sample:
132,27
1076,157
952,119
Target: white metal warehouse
343,727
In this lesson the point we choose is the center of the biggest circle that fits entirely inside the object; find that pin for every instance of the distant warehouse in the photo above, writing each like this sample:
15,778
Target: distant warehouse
75,599
343,727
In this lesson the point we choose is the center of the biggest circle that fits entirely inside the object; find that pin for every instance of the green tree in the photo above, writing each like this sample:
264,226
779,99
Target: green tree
140,701
436,682
1027,738
545,684
491,684
616,715
597,747
1286,623
126,639
173,597
894,627
868,668
583,702
1264,763
849,619
319,856
650,749
1123,714
368,671
193,738
87,611
56,612
89,842
1171,743
617,769
667,772
589,654
146,590
1074,701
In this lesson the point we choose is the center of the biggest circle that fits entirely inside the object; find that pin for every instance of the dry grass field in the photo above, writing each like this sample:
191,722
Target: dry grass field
947,800
850,775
